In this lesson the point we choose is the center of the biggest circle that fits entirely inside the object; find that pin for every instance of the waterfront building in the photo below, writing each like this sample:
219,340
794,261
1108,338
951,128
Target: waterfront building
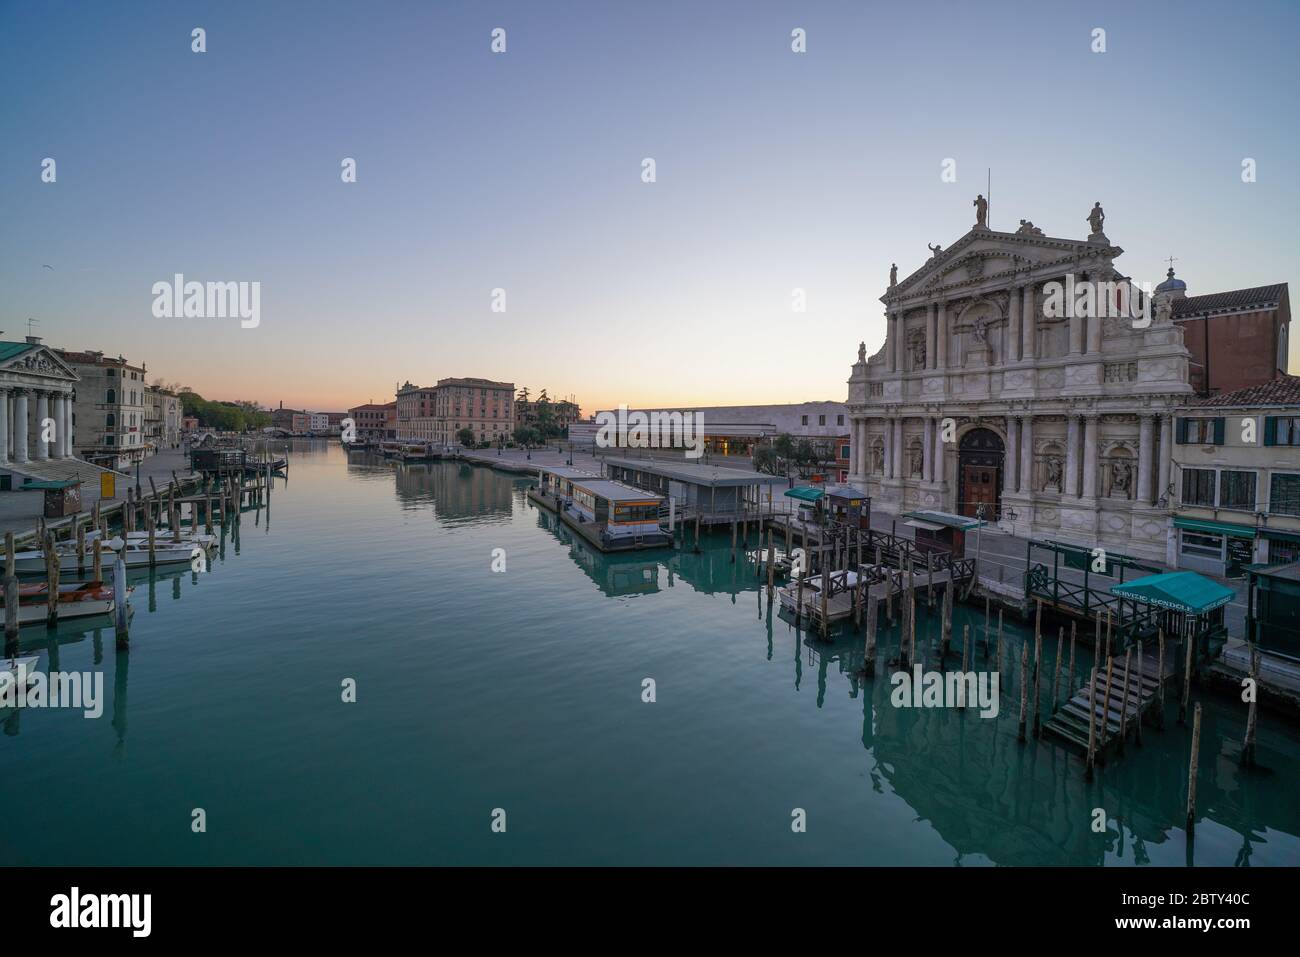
36,383
162,418
738,429
1058,423
109,408
558,413
293,421
1235,339
715,493
437,413
375,422
1236,479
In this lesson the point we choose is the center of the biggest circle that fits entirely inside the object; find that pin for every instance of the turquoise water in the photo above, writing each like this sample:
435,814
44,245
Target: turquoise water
521,690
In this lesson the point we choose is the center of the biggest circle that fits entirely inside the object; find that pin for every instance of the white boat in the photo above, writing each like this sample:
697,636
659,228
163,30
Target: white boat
11,668
161,536
134,552
76,600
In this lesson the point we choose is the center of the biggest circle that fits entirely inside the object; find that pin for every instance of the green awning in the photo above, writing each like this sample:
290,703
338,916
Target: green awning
1215,528
963,523
50,484
1279,536
1187,592
806,493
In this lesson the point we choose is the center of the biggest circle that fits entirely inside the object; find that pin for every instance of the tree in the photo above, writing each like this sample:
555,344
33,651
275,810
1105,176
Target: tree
466,438
523,395
526,436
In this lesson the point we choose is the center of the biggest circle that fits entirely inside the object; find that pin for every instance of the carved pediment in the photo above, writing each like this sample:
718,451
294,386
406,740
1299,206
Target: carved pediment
983,253
39,361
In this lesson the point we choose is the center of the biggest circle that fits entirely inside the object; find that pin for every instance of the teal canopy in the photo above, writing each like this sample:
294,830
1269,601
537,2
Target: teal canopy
806,493
1187,592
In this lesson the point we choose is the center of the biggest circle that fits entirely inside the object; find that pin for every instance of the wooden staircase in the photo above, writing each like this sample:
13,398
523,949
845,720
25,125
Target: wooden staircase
1071,720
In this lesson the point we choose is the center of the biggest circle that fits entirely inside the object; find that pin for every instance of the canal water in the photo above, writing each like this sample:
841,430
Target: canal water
522,690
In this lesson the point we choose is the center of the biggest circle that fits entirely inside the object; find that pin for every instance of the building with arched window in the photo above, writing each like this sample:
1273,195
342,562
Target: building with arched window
1026,401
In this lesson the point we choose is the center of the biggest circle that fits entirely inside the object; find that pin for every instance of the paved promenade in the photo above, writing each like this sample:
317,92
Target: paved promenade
20,511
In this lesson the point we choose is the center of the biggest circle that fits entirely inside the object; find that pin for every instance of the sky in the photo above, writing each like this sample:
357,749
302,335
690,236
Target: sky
522,171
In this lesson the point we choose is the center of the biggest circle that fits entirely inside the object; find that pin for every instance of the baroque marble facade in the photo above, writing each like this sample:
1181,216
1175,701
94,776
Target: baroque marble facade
1061,425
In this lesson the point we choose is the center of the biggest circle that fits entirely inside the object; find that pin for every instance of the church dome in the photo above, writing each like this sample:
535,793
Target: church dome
1171,285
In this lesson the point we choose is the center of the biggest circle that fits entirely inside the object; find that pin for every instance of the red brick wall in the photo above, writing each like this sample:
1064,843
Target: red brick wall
1243,350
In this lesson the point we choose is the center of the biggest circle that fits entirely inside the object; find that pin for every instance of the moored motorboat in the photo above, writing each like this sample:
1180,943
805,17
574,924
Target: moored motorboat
76,600
133,551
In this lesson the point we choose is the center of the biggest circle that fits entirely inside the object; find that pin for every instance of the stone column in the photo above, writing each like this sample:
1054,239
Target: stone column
889,449
929,335
891,342
1090,456
56,413
1094,329
864,450
1028,324
1013,325
927,451
1166,450
42,450
1026,482
898,448
4,426
940,472
1071,484
900,361
1146,439
20,426
1076,329
941,335
1012,455
69,450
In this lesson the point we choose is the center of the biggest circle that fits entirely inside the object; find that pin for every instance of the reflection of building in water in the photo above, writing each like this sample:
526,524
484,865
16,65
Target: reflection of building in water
989,796
457,490
614,574
710,572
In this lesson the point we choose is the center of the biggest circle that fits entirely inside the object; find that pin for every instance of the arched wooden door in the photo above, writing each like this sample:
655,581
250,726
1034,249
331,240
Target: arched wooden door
979,473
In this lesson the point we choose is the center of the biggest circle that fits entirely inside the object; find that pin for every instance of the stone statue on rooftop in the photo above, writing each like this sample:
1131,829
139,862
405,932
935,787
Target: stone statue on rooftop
893,274
1096,218
981,211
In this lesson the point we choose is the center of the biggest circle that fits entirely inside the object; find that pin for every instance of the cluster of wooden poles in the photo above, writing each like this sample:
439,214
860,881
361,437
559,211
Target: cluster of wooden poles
214,492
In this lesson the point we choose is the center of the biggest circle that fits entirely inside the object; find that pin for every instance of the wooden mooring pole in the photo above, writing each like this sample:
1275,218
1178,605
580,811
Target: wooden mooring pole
1024,688
1038,678
771,564
51,582
120,620
1248,743
1187,680
1092,724
872,609
1137,722
1056,675
1123,707
1160,681
1069,680
11,598
1191,769
1105,700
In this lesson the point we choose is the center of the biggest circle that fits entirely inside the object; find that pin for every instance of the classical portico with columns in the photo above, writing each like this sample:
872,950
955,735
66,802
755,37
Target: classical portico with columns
36,422
989,397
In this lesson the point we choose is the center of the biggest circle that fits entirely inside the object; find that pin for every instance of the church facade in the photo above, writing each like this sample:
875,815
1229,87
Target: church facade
1024,379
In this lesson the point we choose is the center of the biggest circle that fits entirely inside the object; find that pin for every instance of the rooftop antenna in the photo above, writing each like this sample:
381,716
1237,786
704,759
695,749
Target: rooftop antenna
988,198
30,320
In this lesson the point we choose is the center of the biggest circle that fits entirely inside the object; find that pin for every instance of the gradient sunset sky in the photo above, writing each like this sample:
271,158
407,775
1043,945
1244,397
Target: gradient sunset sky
522,171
